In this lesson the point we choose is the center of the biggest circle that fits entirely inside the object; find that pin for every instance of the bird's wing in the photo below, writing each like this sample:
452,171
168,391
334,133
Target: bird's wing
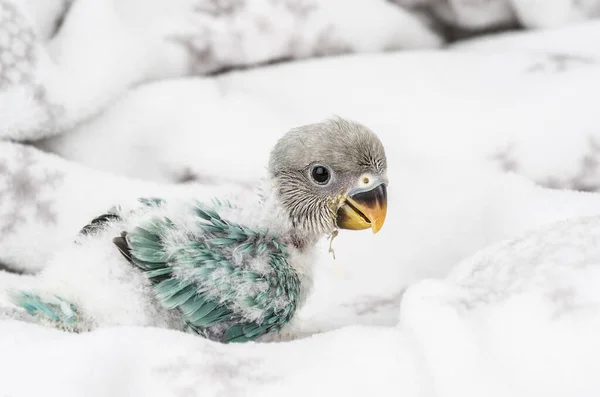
113,214
208,276
98,223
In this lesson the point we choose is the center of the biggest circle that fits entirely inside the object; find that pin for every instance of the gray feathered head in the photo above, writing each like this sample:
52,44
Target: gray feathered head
331,175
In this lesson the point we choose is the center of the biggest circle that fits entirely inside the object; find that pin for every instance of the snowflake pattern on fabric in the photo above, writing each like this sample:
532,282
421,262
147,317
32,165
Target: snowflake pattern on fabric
19,56
220,8
587,178
371,305
17,45
207,57
506,158
220,367
558,63
23,183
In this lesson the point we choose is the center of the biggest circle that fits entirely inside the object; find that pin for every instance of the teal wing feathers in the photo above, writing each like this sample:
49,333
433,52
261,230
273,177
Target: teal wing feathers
229,282
55,311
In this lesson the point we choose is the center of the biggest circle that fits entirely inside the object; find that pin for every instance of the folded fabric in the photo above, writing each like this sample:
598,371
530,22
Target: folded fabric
563,46
102,48
518,110
519,318
489,14
47,200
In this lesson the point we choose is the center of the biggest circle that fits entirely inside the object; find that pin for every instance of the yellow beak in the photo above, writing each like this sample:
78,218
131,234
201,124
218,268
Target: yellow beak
363,210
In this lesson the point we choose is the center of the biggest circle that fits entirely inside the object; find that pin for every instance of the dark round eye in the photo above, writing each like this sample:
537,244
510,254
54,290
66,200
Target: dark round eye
320,174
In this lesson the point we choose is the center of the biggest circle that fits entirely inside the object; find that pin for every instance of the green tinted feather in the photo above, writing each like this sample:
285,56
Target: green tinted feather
217,315
200,279
151,201
179,298
163,271
141,233
233,332
200,315
57,312
191,306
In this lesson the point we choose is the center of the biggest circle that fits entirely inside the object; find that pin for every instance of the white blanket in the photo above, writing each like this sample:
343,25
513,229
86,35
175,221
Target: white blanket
54,79
517,319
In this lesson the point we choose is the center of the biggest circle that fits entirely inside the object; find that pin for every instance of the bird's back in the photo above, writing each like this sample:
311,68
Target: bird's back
230,282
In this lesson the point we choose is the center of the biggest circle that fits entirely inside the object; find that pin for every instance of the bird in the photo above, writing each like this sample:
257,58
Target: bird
229,269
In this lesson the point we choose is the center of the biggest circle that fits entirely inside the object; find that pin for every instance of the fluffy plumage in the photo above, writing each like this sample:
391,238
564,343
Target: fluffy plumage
230,270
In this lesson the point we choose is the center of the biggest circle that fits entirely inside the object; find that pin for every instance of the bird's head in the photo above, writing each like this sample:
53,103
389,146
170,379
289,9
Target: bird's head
331,175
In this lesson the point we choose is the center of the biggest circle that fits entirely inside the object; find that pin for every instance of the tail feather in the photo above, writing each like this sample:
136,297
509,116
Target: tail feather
55,312
123,246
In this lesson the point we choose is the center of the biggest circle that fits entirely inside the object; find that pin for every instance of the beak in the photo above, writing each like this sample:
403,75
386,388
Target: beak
363,209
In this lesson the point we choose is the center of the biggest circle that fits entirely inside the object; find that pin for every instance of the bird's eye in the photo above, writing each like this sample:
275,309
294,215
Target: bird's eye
320,174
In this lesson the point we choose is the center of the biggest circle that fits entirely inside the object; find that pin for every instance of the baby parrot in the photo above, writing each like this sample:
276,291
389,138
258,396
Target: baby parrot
230,270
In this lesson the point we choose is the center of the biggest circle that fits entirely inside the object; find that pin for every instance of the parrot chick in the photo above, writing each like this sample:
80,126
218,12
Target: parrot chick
230,270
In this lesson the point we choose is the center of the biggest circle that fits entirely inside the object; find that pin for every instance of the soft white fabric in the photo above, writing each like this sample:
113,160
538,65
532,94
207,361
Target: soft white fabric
100,49
518,106
490,14
471,132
